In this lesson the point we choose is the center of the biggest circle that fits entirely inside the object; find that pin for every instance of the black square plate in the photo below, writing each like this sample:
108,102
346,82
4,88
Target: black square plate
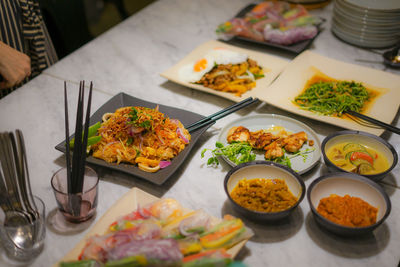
159,177
295,48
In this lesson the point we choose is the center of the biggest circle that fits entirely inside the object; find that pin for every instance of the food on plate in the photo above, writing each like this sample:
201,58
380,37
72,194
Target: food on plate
263,195
279,145
348,211
142,136
331,97
163,233
357,158
275,145
223,70
274,22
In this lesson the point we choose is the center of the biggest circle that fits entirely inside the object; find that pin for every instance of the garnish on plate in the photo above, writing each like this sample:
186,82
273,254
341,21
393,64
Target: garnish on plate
243,145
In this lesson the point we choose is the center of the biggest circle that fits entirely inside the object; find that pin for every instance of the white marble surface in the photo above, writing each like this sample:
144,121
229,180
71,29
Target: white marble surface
129,58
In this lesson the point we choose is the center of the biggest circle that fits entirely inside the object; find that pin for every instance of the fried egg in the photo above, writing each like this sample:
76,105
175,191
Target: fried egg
225,56
194,71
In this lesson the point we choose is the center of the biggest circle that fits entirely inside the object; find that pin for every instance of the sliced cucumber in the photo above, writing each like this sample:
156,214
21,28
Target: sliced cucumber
364,168
349,147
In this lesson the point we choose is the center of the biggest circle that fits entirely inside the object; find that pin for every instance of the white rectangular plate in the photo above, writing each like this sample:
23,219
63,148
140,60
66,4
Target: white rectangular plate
293,79
128,203
271,65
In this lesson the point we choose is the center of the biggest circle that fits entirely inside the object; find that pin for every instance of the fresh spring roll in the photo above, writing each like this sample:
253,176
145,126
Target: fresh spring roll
226,234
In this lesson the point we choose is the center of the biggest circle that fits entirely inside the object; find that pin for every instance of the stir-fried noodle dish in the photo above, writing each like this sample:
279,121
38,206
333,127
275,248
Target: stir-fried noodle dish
142,136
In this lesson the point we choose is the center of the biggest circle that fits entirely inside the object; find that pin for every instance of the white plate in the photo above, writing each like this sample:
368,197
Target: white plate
293,79
126,204
271,65
265,121
375,6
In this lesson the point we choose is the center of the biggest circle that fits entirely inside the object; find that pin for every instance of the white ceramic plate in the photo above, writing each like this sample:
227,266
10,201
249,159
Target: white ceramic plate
375,6
266,121
129,202
272,67
292,80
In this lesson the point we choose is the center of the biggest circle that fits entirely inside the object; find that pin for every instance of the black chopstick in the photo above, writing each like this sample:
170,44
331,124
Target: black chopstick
76,156
85,139
69,181
218,113
374,121
223,113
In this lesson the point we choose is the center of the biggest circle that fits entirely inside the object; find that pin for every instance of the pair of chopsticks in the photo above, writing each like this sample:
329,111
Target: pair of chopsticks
76,169
220,114
381,124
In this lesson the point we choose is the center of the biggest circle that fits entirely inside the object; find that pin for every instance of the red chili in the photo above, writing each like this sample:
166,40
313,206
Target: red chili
361,155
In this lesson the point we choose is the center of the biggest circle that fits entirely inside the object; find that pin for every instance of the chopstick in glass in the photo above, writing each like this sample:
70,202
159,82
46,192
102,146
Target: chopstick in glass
212,118
85,139
375,121
67,155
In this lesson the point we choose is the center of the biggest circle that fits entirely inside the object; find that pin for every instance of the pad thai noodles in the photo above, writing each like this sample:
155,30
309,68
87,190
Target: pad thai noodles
142,136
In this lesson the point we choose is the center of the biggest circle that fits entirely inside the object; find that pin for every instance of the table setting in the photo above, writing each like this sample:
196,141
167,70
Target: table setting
131,122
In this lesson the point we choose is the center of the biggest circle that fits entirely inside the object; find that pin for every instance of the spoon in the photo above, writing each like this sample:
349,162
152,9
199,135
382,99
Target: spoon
20,230
392,57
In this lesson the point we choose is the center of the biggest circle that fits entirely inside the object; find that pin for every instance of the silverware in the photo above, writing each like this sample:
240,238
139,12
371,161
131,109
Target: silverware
16,178
24,174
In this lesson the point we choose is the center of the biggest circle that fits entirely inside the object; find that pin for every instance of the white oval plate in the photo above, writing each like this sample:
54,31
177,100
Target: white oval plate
266,121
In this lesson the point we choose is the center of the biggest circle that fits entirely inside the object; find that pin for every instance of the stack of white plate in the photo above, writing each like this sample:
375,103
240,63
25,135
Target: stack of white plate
367,23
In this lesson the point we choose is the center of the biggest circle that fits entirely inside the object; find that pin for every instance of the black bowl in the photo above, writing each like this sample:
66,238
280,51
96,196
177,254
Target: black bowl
342,183
268,170
363,138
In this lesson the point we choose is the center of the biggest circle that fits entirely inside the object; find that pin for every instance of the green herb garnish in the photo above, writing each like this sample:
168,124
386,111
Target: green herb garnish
241,152
285,159
133,116
237,152
129,141
257,76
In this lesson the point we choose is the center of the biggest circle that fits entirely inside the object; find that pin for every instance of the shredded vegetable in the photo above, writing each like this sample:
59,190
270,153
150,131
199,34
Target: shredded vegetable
333,98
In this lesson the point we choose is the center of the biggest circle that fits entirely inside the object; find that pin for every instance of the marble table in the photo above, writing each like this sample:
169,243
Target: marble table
128,58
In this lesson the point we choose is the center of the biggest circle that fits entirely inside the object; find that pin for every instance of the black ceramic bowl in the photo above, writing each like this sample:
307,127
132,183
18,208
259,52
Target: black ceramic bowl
363,138
342,183
267,170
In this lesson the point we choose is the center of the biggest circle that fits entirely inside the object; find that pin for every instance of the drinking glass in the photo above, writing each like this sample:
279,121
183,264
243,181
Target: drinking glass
23,239
77,207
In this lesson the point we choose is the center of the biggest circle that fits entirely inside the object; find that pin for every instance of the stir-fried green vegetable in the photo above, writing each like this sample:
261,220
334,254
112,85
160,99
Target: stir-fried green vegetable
333,98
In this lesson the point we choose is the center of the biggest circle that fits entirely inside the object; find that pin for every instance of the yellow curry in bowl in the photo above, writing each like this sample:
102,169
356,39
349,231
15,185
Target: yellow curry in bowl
357,158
